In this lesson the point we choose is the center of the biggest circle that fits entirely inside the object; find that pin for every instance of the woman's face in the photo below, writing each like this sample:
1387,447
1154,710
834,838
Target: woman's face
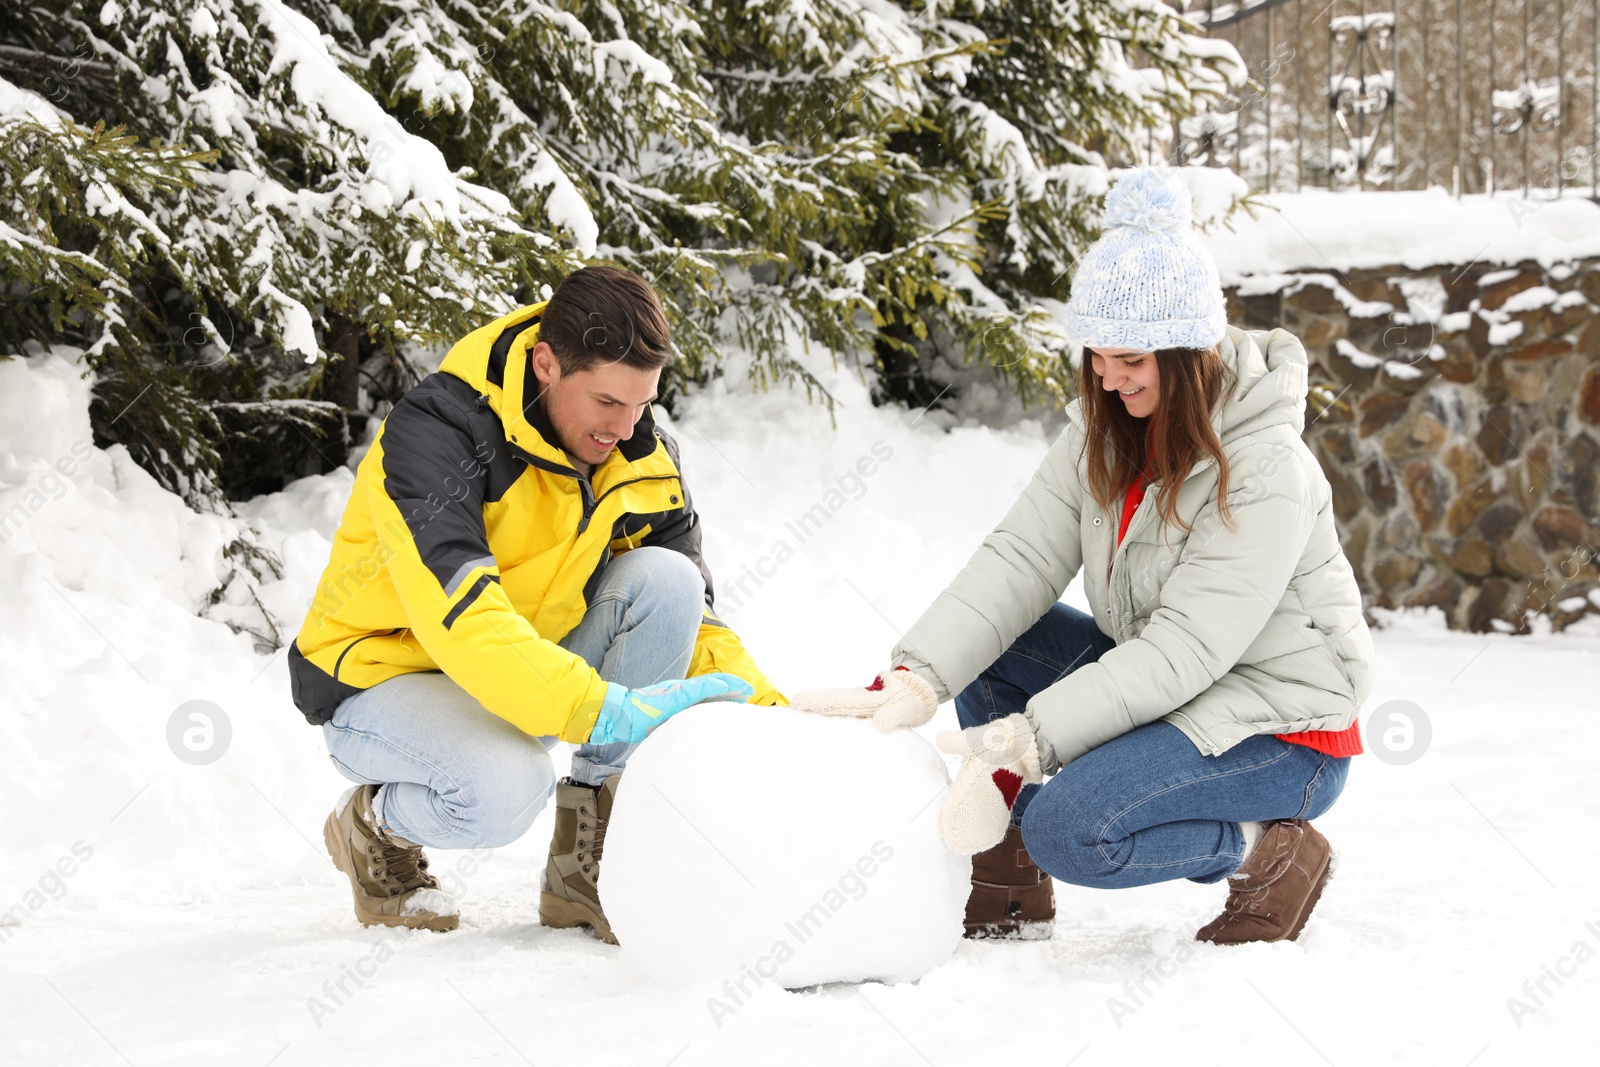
1131,374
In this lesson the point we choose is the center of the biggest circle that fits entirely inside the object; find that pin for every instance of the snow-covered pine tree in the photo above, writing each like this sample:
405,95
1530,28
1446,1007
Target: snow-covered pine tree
75,234
868,230
318,228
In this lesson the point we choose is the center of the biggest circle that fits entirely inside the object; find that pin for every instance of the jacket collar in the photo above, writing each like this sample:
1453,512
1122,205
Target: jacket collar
516,400
635,448
1271,381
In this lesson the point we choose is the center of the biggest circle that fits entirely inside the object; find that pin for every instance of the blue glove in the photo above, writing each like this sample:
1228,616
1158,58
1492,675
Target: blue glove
628,715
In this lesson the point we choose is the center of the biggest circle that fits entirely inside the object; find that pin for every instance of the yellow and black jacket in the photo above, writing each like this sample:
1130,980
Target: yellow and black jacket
471,546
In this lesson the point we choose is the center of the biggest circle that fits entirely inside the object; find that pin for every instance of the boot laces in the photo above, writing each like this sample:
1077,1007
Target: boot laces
596,842
1250,897
1243,901
399,869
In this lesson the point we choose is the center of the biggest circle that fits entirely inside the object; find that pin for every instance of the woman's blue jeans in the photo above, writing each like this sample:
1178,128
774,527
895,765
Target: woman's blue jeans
455,775
1147,806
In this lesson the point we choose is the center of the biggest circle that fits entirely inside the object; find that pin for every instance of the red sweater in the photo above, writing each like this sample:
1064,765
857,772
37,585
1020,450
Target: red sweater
1346,742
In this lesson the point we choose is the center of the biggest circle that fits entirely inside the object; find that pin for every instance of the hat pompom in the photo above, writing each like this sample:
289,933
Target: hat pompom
1149,200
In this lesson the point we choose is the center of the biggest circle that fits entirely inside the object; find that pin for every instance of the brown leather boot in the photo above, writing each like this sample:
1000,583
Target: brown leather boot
570,894
1271,895
388,875
1011,897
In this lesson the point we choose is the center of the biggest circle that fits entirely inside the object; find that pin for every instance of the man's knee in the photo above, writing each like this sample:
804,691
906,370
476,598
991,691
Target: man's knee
666,575
665,587
511,793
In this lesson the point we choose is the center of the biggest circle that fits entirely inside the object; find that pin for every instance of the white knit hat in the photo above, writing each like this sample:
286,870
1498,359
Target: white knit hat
1147,283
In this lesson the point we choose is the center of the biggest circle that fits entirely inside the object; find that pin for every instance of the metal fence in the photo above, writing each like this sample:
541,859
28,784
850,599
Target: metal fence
1471,95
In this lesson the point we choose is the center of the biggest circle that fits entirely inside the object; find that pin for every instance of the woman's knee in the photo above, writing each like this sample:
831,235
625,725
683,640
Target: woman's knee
1063,836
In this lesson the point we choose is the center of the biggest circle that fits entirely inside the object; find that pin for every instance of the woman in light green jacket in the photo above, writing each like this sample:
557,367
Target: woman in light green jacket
1205,710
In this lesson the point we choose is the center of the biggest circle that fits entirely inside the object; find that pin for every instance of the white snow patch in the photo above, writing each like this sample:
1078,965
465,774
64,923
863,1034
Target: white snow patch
1501,333
1320,230
1348,350
1426,297
299,330
1289,284
431,900
1002,141
1531,300
564,205
203,23
18,103
629,55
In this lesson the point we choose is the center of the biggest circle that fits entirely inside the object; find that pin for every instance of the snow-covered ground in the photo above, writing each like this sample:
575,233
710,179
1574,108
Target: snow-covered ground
159,911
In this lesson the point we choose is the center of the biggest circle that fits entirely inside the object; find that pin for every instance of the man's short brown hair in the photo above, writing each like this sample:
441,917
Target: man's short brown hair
606,315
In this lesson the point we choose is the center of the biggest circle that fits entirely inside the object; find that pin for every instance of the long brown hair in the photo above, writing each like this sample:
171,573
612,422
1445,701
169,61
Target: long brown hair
1119,447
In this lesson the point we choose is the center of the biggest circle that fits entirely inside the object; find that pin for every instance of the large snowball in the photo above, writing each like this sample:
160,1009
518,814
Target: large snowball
767,844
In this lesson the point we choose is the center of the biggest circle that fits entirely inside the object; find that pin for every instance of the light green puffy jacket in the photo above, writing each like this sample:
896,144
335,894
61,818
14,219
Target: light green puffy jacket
1225,633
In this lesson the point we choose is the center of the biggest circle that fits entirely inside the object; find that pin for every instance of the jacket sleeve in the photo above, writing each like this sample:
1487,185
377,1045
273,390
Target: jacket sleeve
1225,589
716,647
428,510
1021,569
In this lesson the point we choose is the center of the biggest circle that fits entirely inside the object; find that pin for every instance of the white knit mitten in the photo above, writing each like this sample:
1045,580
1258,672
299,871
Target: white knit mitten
895,698
1006,742
975,814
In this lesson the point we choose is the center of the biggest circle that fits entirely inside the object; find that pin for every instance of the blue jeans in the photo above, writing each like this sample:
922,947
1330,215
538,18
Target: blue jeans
455,775
1147,806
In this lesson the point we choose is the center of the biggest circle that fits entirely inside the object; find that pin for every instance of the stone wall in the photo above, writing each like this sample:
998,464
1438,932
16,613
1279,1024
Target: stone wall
1456,411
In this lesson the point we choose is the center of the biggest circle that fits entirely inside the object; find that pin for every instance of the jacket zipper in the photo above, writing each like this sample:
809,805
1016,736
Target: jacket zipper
1116,552
591,503
1116,549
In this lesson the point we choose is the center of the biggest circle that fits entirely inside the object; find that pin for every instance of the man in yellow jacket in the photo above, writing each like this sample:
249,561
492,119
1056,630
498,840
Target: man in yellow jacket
519,563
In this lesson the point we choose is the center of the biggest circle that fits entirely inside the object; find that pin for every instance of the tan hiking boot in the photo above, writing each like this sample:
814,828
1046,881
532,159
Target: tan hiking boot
569,894
1271,895
388,875
1011,897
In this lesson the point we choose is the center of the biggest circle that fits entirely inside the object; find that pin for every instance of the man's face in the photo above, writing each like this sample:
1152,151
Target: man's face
592,410
1132,375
